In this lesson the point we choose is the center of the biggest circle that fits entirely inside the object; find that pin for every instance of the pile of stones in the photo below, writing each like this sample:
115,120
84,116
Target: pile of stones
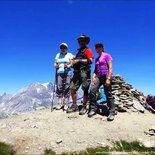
125,96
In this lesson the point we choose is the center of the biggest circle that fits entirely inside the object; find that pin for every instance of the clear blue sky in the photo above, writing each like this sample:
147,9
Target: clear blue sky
31,31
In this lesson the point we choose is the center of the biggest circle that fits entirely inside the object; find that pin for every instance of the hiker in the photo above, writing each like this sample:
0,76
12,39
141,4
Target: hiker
82,72
150,103
102,76
63,64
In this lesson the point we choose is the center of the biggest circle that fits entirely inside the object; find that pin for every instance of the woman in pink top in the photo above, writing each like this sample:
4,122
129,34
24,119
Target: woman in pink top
102,76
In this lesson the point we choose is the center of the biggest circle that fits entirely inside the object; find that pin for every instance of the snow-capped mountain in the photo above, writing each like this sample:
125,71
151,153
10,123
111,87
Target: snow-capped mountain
27,100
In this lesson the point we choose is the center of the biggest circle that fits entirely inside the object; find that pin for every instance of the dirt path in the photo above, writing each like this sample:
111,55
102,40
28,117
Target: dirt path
31,133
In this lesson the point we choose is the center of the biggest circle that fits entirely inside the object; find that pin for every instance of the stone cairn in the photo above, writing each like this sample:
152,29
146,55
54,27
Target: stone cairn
125,95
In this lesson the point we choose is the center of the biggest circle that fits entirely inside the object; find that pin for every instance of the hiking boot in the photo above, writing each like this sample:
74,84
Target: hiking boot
110,117
65,107
73,108
59,106
91,113
83,110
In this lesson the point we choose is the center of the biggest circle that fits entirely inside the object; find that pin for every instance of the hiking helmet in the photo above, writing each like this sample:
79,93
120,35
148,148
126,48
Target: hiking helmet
84,37
63,44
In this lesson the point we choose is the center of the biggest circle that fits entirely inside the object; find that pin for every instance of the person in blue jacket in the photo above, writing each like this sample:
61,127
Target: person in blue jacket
63,64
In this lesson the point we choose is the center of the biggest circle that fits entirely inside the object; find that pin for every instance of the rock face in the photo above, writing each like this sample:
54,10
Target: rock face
126,98
5,98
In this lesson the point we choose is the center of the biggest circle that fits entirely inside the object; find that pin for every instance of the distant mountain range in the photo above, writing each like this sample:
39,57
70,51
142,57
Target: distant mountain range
27,100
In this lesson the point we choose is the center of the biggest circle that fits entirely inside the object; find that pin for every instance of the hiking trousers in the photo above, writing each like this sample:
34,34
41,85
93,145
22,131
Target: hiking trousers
107,90
63,84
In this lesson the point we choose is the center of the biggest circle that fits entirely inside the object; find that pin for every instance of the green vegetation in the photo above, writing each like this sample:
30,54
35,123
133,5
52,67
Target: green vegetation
118,146
132,146
6,149
49,152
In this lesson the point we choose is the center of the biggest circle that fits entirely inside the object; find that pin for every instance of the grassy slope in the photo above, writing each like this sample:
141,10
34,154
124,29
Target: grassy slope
6,149
121,146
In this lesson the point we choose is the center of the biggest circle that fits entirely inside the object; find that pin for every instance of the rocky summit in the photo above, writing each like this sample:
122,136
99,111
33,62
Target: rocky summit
126,98
37,95
32,133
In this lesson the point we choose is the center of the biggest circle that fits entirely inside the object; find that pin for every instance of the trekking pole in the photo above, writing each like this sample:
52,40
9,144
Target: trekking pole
54,90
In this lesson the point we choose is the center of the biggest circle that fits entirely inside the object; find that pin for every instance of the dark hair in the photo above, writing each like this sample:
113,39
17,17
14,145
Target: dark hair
99,45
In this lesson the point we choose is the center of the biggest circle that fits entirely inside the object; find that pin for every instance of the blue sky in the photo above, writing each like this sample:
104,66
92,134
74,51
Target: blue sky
31,31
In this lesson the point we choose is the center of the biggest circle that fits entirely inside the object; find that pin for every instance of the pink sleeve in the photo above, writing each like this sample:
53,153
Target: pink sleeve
108,58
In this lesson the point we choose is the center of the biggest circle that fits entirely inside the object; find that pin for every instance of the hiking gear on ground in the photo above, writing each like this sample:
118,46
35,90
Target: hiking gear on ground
72,108
150,103
110,117
83,110
63,44
103,96
107,89
150,99
84,37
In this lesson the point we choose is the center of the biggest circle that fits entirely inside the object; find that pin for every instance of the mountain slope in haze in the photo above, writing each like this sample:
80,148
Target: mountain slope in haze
27,100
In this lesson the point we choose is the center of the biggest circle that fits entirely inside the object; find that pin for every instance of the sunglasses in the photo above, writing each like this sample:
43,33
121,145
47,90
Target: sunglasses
63,47
98,47
81,41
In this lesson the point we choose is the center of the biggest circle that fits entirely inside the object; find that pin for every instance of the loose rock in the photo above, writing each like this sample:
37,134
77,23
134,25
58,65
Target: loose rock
59,141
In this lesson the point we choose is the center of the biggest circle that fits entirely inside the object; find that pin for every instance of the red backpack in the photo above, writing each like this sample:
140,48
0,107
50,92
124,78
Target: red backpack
150,99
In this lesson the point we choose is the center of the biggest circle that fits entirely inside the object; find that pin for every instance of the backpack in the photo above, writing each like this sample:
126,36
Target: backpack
150,99
82,55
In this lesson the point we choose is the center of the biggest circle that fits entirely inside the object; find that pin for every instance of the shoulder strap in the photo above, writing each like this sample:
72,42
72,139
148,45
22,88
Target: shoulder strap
59,55
85,50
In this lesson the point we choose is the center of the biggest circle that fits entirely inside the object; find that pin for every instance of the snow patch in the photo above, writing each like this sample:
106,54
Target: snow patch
38,90
33,100
2,103
45,85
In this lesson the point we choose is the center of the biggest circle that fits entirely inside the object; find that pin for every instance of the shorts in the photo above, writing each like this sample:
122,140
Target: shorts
81,78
